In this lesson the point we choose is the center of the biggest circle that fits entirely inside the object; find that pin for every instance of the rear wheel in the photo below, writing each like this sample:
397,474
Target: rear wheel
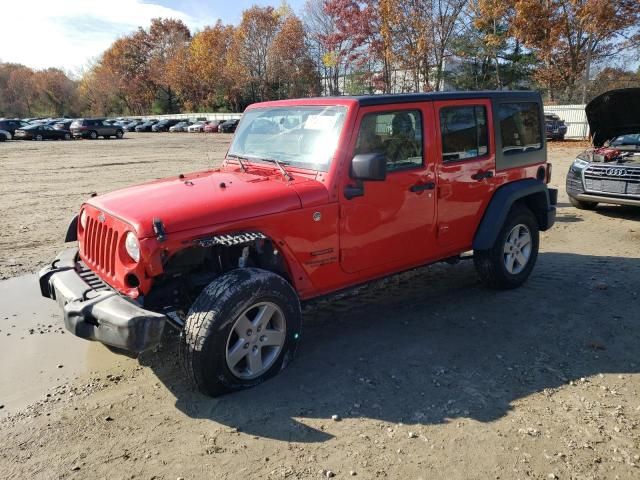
67,136
39,138
509,262
582,205
93,135
119,134
242,329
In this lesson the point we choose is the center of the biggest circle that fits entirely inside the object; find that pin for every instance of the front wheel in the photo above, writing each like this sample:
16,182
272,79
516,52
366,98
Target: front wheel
67,136
241,330
93,135
509,262
119,134
39,138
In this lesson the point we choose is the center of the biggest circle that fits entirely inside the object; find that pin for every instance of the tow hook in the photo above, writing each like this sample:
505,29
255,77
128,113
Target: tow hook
158,228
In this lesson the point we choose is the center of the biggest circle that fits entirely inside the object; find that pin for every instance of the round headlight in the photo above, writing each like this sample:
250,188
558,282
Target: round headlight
132,246
83,219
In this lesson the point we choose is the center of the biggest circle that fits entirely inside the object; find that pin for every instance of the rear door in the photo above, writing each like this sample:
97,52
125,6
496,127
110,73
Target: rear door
466,168
392,223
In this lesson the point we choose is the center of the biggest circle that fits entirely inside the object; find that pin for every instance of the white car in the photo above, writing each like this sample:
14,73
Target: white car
197,127
180,127
4,135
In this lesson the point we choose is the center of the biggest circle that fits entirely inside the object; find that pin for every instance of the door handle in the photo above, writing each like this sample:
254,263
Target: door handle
482,175
421,187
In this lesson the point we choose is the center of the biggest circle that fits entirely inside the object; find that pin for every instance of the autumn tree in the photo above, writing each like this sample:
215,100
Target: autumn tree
568,36
167,39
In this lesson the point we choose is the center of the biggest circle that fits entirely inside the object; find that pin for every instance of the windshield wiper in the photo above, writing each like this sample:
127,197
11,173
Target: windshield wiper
239,158
279,164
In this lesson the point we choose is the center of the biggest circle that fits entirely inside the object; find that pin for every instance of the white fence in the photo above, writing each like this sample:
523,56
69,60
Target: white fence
192,116
574,117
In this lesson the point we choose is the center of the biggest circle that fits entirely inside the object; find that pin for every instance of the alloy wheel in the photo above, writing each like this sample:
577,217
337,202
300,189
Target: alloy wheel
256,340
517,249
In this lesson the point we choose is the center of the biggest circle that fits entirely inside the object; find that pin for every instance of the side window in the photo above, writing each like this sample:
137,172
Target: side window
464,132
398,135
520,127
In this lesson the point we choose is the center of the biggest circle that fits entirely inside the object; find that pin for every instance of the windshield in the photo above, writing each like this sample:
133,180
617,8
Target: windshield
303,136
631,139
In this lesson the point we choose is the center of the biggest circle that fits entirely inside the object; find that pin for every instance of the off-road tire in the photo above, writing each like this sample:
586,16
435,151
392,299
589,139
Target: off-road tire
203,342
581,205
93,135
490,263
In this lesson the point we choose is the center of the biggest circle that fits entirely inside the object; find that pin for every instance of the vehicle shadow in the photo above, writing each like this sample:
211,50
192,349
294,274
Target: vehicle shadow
624,212
432,345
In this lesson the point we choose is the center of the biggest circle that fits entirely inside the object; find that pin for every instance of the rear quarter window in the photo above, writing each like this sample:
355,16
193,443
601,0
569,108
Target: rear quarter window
520,127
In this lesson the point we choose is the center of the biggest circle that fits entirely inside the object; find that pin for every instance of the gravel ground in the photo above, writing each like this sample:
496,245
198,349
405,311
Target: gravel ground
424,375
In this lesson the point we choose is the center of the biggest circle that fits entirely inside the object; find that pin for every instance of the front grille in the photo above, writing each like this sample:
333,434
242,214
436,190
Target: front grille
615,179
99,247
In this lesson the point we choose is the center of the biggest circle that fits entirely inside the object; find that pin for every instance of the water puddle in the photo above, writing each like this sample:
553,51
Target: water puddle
36,352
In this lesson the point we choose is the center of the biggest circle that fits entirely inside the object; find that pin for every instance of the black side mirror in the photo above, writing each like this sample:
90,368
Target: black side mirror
369,166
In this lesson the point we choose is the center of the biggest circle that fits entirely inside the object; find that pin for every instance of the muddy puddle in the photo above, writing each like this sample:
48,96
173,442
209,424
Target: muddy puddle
36,352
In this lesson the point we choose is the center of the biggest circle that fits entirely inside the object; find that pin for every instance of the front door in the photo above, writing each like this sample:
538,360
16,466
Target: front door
392,222
466,169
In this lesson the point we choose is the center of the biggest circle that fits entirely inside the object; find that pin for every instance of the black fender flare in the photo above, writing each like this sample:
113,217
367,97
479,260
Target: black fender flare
72,230
540,199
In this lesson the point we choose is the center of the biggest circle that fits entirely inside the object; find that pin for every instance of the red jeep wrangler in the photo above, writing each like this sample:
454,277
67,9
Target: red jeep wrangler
314,196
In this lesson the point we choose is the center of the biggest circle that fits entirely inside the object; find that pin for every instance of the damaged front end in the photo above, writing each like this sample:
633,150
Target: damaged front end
610,171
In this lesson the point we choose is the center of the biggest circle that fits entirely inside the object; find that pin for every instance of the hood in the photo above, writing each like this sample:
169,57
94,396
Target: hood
206,198
614,113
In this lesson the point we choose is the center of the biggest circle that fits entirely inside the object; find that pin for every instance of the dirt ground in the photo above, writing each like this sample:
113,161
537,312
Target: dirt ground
431,375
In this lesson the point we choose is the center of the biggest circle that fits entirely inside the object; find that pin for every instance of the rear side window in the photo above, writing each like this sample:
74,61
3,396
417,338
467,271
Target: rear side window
396,134
520,127
464,132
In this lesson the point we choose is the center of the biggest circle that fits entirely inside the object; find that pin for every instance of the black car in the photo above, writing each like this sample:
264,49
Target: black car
146,126
131,126
229,126
609,172
555,127
10,125
164,125
41,132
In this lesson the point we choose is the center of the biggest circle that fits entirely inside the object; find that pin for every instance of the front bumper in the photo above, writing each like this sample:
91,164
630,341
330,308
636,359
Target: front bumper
589,197
100,314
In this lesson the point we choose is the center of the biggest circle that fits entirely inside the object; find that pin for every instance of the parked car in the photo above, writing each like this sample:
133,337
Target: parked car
610,171
212,127
64,125
131,126
41,132
554,126
164,125
229,126
180,126
346,196
10,125
146,126
198,126
4,135
95,127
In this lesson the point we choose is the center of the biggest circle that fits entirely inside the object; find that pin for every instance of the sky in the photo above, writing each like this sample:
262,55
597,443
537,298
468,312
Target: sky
70,34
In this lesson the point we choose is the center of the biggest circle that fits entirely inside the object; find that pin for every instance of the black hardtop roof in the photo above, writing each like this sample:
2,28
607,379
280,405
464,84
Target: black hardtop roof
390,98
